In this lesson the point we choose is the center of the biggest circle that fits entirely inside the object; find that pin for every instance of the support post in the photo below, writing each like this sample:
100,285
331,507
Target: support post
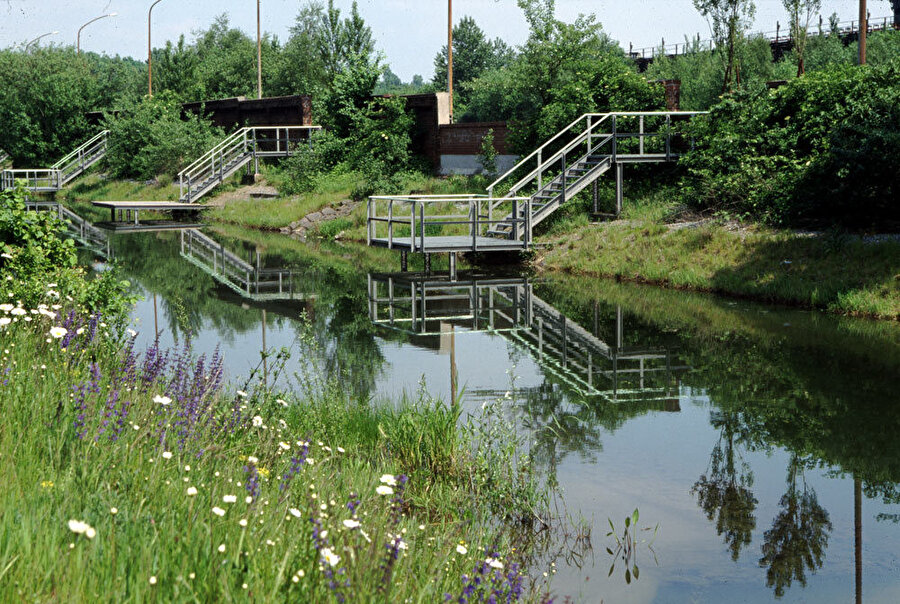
404,261
427,263
563,179
641,132
595,197
620,194
452,258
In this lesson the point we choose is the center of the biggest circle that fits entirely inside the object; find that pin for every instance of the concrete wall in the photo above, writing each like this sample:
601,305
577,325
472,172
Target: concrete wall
470,164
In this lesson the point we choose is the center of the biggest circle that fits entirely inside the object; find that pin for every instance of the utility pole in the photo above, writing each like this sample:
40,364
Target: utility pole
150,52
450,54
863,30
258,53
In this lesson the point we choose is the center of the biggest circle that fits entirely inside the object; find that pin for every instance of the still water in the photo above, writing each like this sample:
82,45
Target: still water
762,444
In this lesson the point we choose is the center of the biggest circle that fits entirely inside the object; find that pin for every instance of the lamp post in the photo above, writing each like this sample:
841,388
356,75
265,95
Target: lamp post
450,54
258,53
78,38
150,52
49,33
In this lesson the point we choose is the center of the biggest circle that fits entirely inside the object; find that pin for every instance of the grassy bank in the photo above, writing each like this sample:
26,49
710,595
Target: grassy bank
655,243
138,477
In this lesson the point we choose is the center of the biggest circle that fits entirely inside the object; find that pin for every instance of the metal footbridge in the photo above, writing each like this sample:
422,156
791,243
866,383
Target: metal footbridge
584,362
554,173
54,178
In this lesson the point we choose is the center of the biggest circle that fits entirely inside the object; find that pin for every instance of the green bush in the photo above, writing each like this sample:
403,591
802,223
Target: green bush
818,150
152,137
39,266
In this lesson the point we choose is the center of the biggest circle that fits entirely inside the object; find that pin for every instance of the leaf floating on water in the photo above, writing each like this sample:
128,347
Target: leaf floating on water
610,552
634,517
627,576
637,572
611,569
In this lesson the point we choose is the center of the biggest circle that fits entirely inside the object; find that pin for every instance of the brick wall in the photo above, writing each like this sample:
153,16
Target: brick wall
465,139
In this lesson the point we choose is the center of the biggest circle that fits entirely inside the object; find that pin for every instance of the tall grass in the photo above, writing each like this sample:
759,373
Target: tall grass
140,477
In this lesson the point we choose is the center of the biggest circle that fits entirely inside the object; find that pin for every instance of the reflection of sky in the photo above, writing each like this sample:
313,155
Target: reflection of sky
650,462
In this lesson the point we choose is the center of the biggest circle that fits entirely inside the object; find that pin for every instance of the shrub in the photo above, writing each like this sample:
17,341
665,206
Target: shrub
152,137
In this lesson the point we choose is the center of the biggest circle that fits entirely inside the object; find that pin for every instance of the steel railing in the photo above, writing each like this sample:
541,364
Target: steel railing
62,172
584,144
235,151
423,217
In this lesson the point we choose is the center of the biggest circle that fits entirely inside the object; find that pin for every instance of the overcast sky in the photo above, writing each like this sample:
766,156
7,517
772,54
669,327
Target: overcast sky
408,32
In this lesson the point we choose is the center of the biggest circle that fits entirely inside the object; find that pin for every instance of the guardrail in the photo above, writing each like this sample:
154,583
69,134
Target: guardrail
231,154
36,179
425,223
82,158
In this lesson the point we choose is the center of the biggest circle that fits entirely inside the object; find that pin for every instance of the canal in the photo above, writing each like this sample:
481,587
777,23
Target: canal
758,444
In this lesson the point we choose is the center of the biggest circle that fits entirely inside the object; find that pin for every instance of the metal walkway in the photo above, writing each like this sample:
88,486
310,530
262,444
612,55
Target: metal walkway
581,360
235,152
561,168
54,178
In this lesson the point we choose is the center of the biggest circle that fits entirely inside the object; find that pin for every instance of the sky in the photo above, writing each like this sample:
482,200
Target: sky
408,32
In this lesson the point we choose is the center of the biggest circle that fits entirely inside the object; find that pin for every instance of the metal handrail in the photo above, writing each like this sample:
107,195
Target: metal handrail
78,151
243,143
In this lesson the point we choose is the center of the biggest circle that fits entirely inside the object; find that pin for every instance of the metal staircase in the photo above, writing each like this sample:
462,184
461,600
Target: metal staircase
580,154
4,158
236,151
54,178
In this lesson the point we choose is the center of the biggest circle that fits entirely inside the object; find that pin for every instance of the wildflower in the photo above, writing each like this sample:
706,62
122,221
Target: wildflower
82,528
113,511
162,400
295,513
152,580
218,511
222,549
229,498
330,557
384,490
56,332
389,480
248,499
241,394
281,402
257,421
493,563
351,523
242,522
18,312
4,321
284,446
6,307
461,550
341,450
253,459
167,455
131,332
46,484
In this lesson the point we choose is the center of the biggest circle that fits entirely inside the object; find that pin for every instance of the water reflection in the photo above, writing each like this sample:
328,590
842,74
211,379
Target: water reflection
743,437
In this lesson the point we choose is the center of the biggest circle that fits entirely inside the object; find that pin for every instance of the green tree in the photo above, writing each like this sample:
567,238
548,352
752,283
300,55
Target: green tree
729,21
151,137
473,54
800,12
488,156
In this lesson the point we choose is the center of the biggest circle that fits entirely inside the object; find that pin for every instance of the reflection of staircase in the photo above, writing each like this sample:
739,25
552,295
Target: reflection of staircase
62,172
84,232
424,306
580,154
248,279
235,152
5,159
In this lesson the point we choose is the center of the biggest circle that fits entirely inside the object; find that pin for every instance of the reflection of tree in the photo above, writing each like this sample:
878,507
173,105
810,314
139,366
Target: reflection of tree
799,534
724,493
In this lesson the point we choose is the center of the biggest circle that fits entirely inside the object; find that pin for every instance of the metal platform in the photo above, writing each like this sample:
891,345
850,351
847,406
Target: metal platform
128,210
460,243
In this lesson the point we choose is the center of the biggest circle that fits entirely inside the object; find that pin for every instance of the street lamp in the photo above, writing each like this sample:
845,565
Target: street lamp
258,53
50,33
78,38
150,52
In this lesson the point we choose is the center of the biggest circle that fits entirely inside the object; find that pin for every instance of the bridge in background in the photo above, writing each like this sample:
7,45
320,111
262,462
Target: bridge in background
847,31
430,307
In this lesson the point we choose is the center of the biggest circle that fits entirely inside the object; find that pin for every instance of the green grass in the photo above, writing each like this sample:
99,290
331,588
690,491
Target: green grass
837,274
153,539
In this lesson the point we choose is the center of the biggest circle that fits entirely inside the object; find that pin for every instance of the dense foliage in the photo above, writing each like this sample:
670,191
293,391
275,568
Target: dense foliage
39,267
152,137
822,148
